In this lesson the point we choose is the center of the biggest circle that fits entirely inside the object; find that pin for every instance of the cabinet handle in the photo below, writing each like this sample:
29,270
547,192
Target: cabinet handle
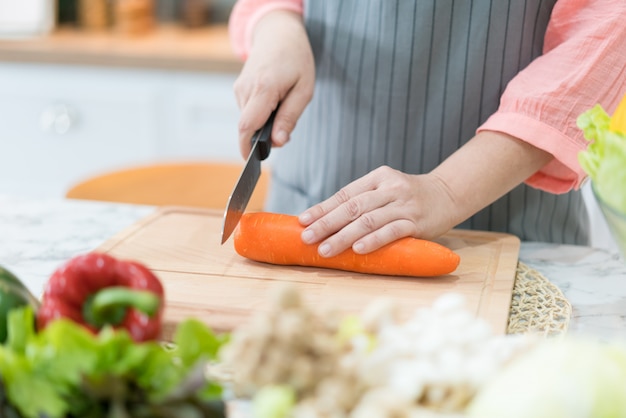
58,119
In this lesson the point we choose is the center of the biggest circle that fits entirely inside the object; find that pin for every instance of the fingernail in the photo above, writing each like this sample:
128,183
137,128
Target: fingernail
358,247
281,137
308,236
324,249
305,218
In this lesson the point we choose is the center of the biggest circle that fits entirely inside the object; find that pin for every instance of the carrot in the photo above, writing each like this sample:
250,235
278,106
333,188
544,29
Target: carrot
275,238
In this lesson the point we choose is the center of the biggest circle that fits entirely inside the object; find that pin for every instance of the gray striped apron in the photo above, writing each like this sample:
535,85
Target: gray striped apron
405,83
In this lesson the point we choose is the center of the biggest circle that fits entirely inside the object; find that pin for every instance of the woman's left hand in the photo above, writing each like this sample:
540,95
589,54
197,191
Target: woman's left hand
386,204
379,208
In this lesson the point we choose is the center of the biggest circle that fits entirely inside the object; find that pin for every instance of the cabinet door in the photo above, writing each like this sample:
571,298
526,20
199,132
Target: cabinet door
61,124
203,117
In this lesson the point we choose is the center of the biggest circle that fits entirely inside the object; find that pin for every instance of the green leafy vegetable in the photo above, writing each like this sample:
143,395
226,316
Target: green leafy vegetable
275,401
604,160
196,341
66,371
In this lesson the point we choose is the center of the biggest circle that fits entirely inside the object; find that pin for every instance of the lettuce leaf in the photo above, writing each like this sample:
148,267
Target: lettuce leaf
66,370
604,160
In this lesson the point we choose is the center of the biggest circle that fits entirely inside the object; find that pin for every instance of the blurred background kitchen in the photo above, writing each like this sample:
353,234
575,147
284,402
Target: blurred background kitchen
91,86
94,86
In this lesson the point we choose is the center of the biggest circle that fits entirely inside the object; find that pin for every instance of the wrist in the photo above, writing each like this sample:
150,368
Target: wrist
275,25
490,165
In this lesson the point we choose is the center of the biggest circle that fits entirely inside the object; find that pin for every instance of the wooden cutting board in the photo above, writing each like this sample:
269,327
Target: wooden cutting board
209,281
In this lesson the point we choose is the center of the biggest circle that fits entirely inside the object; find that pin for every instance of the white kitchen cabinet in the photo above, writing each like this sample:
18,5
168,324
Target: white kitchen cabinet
59,124
204,117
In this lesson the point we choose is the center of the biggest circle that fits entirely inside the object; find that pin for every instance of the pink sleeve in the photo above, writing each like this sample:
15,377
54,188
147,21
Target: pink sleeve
246,13
584,63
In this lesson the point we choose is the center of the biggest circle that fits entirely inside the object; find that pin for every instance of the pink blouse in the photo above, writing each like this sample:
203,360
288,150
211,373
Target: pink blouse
583,63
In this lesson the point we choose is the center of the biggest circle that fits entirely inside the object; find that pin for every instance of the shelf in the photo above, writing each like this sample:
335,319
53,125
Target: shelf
167,47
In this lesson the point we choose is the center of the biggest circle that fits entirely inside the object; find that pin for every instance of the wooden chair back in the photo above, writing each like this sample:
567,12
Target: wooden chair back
196,184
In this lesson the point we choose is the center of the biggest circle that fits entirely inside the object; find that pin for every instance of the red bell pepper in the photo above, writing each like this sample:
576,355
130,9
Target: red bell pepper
97,290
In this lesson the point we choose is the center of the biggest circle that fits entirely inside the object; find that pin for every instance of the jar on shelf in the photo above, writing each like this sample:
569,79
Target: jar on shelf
195,13
93,14
67,13
133,17
167,11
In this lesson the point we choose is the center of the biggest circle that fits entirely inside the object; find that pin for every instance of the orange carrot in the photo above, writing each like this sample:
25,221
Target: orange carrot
275,238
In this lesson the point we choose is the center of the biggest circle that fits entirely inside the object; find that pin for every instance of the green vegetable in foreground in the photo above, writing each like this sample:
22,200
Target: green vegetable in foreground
67,371
274,402
13,294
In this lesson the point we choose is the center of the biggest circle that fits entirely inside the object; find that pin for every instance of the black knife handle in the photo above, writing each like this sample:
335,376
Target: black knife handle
264,137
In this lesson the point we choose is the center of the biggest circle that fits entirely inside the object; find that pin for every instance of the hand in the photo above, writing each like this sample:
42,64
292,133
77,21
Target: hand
280,69
386,204
380,207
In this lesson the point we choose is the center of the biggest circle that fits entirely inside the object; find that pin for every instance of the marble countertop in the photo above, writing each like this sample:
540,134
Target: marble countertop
38,235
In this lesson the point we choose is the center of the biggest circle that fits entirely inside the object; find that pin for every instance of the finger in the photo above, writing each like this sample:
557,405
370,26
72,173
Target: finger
242,88
253,116
291,108
370,231
387,233
241,93
357,187
342,216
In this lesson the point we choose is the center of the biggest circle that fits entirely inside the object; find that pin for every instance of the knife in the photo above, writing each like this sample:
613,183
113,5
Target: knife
238,200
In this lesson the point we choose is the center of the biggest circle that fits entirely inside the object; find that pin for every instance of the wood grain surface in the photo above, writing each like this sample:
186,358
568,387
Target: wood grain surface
166,47
209,281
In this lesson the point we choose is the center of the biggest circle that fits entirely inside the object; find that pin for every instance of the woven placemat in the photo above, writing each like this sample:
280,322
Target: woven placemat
538,306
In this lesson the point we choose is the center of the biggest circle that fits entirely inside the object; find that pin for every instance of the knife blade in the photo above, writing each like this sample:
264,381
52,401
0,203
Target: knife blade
240,196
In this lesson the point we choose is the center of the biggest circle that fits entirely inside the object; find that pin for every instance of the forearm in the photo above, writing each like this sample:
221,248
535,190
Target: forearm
483,170
583,64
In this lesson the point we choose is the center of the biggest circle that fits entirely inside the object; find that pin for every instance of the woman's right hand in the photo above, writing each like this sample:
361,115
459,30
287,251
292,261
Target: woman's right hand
279,69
